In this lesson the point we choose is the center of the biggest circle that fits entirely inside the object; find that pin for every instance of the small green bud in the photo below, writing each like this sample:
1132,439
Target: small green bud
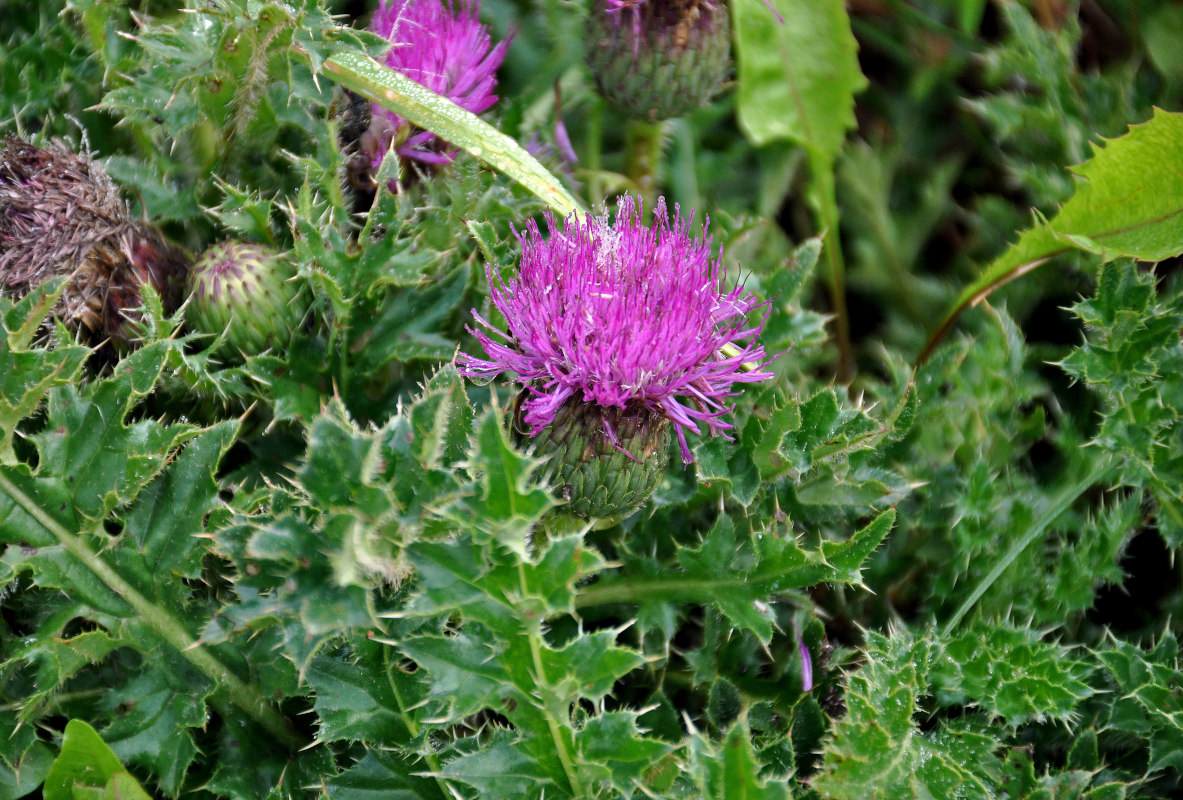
246,291
604,461
659,59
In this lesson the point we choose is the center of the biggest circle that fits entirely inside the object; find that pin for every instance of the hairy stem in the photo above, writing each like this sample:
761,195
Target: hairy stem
825,202
163,624
1058,505
643,152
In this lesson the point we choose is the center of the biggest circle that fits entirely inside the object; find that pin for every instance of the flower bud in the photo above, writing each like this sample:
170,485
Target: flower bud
245,291
656,59
605,461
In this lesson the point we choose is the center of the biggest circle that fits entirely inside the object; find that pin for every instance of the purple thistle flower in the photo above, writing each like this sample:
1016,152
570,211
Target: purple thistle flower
620,313
443,49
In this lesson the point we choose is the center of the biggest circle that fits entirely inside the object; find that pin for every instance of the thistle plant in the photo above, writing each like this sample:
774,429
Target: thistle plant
340,568
618,331
61,216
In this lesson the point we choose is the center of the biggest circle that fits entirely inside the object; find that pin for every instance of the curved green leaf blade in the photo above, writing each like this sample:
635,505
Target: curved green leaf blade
430,111
1128,202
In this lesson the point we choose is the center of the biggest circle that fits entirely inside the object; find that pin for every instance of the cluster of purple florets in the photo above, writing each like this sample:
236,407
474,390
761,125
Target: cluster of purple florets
618,313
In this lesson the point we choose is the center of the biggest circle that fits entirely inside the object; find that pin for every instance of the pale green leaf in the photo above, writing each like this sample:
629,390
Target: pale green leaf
797,80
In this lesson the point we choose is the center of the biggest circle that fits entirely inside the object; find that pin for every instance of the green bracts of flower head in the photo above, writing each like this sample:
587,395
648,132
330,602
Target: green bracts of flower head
246,292
659,60
604,461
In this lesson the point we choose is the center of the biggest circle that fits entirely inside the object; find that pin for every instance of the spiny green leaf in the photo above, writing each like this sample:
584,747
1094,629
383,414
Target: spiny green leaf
729,769
877,751
381,775
1010,672
616,753
1128,202
364,695
1148,703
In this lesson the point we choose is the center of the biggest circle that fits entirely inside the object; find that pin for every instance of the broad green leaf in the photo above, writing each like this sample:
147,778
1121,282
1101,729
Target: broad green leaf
797,80
1128,202
450,122
87,763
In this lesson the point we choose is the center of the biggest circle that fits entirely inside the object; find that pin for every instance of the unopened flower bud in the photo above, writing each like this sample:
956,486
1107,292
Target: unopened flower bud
656,59
246,291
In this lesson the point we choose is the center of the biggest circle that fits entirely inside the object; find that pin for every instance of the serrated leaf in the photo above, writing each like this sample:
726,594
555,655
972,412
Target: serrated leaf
1148,703
363,695
730,770
613,742
382,775
24,759
501,771
26,376
1127,203
151,720
741,586
952,760
1010,672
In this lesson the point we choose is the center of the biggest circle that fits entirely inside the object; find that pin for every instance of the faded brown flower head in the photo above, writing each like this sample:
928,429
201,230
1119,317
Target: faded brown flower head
61,215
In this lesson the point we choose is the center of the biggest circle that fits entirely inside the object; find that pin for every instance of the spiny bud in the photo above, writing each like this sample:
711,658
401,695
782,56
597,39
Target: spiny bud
245,291
604,461
61,214
656,59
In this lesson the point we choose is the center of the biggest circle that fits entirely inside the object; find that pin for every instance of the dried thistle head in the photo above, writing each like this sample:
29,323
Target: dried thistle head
61,215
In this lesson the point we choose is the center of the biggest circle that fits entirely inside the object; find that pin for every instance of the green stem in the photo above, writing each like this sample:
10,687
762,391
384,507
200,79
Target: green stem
825,202
675,588
413,728
1059,504
534,636
594,153
163,624
642,158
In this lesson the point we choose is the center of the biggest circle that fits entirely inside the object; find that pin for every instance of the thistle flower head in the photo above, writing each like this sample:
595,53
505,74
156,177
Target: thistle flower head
656,60
446,50
61,215
620,314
